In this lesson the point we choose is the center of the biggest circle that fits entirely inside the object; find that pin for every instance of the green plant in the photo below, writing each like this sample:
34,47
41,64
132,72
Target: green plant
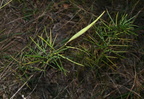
42,53
109,42
3,5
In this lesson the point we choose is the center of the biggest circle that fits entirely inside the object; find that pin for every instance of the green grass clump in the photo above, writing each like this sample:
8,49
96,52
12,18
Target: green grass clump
40,54
108,43
43,53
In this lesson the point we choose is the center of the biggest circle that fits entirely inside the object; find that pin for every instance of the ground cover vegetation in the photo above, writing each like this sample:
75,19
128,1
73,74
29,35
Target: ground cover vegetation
71,49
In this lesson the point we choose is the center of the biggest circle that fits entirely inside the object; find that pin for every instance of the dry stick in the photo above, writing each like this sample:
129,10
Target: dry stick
21,87
63,89
34,87
5,70
134,7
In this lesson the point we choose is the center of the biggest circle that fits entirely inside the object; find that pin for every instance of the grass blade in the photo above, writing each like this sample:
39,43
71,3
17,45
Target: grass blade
84,29
6,4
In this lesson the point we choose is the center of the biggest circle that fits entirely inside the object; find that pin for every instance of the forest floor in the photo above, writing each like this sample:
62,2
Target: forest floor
97,65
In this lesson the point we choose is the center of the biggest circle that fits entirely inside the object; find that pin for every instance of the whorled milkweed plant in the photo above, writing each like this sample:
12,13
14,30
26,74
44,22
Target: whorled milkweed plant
42,53
108,43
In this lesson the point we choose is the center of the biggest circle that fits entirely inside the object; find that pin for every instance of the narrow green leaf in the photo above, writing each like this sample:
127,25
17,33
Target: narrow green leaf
71,60
6,4
38,46
84,29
